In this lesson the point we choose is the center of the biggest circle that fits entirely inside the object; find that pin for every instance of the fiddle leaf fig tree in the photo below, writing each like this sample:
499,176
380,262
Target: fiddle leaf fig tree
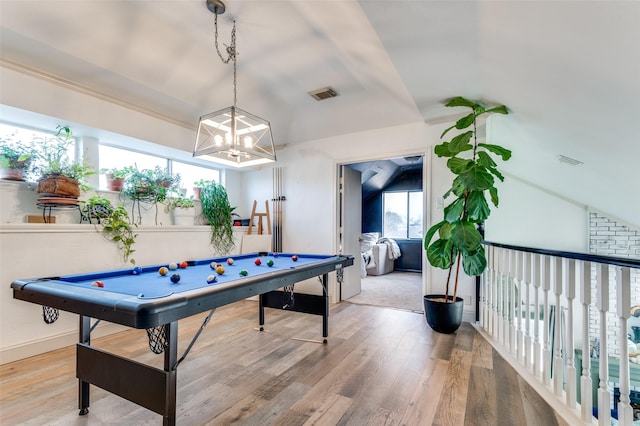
475,169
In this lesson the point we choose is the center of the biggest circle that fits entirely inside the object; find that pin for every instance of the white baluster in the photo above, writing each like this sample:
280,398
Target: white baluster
518,307
586,398
623,293
569,281
556,287
546,350
494,293
602,301
537,274
527,261
511,309
500,299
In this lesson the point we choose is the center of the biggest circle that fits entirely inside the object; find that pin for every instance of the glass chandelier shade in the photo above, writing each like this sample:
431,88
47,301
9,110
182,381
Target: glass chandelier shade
234,137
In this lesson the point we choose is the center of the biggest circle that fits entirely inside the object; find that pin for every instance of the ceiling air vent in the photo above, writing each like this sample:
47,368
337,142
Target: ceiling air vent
324,93
568,160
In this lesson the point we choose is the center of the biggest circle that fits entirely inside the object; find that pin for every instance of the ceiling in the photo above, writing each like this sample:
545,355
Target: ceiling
568,70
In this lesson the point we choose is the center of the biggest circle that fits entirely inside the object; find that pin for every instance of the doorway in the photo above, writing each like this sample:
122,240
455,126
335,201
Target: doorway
402,287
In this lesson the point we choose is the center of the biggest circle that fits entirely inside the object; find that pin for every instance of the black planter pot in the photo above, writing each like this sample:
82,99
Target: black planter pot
443,317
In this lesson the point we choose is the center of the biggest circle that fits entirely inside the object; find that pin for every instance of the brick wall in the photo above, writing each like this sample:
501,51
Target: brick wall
609,238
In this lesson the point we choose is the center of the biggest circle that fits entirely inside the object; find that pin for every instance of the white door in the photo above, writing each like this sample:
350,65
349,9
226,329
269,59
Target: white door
351,227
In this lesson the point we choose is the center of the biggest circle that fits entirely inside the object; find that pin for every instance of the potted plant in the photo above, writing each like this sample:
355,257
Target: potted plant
458,238
197,187
113,222
183,210
60,176
15,159
219,213
115,177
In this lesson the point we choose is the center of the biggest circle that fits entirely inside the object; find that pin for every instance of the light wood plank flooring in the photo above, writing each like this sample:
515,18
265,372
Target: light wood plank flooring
381,367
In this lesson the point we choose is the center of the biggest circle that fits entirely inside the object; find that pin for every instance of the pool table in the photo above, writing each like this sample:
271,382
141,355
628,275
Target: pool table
143,298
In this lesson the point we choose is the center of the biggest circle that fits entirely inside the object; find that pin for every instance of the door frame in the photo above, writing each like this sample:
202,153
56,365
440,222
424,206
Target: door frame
426,207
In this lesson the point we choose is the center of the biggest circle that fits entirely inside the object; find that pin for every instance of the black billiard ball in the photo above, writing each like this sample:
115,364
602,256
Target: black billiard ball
175,278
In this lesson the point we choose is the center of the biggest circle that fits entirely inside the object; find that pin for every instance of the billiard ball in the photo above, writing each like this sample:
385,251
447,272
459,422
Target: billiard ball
276,254
183,265
211,279
173,266
220,269
213,265
137,270
244,273
270,263
229,261
294,258
175,278
97,284
163,271
258,262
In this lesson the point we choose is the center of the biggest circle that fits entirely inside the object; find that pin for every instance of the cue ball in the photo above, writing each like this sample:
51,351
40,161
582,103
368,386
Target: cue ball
175,278
244,273
163,271
270,263
220,269
258,262
173,266
137,270
213,265
294,258
211,279
183,265
229,261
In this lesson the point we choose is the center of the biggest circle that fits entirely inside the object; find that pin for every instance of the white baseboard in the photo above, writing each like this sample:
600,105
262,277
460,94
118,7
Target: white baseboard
37,347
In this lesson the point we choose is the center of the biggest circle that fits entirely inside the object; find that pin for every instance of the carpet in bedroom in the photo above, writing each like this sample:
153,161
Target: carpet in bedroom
400,290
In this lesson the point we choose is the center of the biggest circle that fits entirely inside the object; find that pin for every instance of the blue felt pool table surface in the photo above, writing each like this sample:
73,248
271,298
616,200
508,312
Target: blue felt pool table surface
148,283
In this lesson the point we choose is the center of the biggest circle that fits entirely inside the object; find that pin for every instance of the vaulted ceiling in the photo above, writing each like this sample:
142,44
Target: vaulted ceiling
568,70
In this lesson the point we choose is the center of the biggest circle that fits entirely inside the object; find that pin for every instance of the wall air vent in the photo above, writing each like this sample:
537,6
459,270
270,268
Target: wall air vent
324,93
568,160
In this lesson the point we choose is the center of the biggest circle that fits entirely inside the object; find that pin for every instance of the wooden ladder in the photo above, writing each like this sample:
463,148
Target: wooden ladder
260,216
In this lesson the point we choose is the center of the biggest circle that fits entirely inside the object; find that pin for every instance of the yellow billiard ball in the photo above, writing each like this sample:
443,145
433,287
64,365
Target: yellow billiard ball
163,271
220,269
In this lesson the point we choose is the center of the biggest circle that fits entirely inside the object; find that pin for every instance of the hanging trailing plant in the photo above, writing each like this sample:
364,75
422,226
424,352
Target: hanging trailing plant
475,172
219,213
112,223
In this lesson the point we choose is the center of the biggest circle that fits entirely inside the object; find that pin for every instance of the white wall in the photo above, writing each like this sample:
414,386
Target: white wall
531,217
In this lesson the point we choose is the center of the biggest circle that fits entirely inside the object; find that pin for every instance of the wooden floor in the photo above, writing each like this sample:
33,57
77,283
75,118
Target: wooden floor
381,367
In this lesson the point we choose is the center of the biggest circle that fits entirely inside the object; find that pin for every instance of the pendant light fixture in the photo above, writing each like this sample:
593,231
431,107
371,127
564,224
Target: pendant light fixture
232,136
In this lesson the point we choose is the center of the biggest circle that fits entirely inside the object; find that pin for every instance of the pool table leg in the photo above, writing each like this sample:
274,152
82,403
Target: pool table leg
325,315
83,387
171,367
261,311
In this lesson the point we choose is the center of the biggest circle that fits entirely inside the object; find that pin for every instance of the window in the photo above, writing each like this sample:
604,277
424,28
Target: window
402,214
189,174
112,157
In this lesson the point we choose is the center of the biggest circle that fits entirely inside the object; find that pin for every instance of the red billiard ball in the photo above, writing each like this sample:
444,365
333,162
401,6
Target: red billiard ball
97,284
258,262
183,265
294,258
229,261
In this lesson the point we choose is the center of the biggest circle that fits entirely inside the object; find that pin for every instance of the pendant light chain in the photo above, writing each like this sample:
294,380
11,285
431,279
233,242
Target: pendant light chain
231,54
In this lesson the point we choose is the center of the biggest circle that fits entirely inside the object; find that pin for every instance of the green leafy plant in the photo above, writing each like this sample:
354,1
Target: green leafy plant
219,213
52,159
117,173
113,223
475,172
16,156
179,202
